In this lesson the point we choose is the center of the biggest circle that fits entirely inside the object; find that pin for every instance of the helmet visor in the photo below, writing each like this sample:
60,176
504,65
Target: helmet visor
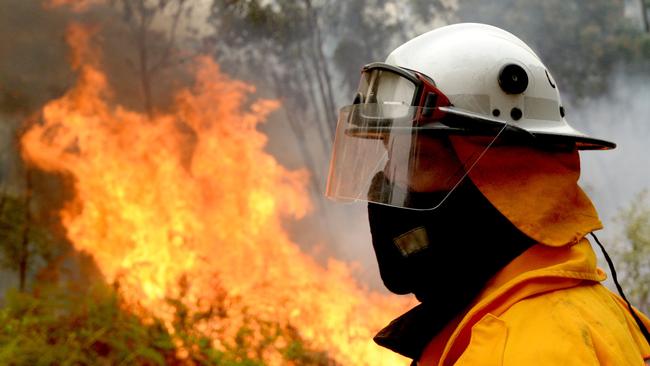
396,154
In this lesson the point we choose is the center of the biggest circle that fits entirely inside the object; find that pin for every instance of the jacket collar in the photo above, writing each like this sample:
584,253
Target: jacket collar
540,269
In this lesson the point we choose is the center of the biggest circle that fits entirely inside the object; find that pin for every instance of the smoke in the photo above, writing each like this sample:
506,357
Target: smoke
614,178
602,97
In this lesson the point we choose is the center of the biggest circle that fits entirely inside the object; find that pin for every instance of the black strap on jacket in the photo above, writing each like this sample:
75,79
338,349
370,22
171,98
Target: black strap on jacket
642,327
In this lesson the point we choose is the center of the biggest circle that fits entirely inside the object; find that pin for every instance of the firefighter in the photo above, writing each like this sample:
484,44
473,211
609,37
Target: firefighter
460,145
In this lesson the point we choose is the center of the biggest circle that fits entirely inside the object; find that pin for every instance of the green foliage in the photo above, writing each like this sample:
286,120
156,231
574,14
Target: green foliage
261,35
23,243
12,224
373,37
196,327
634,253
365,31
297,352
58,325
66,320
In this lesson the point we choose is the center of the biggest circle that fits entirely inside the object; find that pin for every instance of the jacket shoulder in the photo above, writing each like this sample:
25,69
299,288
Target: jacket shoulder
578,326
582,325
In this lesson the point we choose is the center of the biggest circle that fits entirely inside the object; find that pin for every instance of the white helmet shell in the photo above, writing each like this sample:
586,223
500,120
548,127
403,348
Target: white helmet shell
473,63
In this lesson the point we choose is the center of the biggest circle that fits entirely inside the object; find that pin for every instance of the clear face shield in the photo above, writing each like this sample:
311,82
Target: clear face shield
393,145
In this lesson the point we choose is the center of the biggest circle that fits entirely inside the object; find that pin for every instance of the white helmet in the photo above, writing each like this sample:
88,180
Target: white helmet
489,72
475,81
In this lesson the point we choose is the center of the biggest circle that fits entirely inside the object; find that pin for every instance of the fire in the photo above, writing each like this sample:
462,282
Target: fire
192,196
74,5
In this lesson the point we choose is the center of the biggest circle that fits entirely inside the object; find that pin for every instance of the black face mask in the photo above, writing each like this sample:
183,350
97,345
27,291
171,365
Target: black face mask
444,256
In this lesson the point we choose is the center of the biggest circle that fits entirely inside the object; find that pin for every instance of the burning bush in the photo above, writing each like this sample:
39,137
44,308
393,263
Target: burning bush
63,327
187,205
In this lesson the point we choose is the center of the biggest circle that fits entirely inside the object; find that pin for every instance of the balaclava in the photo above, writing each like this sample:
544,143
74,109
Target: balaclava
443,256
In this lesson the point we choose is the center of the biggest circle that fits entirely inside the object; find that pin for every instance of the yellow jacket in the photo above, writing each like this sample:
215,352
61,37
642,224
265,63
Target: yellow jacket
547,307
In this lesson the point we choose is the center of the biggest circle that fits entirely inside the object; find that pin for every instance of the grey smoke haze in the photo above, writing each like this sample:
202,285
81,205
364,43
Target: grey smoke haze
614,178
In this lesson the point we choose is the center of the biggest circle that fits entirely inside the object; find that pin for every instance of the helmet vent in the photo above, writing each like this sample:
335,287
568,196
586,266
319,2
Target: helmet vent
513,79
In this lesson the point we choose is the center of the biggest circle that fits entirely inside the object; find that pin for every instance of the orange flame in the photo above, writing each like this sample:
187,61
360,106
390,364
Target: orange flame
77,6
192,194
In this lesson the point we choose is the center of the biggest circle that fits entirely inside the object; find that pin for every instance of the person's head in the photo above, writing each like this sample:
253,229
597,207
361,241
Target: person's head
471,82
457,139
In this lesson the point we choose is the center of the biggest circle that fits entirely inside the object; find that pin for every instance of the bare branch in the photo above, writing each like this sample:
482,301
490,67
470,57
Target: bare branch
171,38
644,15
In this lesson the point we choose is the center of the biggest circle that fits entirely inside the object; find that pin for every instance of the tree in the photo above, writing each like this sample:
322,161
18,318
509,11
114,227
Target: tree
29,50
279,47
32,244
644,15
309,54
634,252
580,41
65,325
154,46
17,236
28,245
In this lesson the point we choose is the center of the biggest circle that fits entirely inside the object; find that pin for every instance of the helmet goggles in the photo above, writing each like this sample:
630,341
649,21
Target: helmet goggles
392,144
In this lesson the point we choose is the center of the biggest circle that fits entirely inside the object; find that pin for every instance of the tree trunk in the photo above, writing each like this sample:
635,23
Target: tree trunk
298,130
321,113
23,257
3,199
324,68
644,15
322,71
315,64
145,80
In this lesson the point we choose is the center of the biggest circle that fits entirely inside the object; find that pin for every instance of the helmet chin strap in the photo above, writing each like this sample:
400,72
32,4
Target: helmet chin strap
642,327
